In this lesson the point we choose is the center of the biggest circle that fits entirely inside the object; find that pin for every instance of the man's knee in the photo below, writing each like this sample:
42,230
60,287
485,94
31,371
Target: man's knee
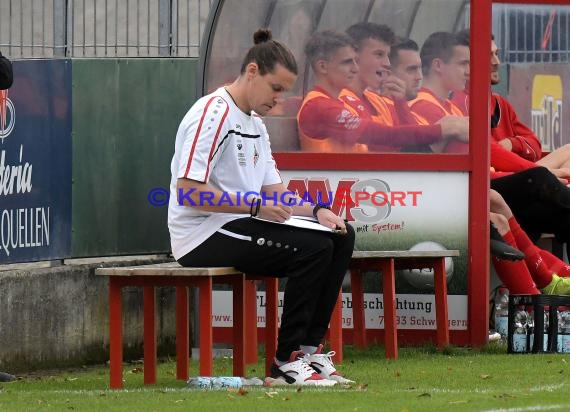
498,204
495,196
317,245
540,174
349,237
350,233
500,222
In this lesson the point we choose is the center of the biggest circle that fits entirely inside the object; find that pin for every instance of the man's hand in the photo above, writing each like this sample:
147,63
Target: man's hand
393,87
455,126
329,219
507,144
277,213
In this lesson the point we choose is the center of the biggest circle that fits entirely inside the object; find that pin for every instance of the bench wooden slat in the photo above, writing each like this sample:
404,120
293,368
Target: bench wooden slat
402,254
166,269
174,269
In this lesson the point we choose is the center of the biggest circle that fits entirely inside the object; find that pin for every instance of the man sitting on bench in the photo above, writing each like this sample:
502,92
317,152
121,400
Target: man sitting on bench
223,175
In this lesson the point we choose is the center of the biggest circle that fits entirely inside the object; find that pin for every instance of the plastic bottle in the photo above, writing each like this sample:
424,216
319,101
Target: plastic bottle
502,311
545,332
564,331
221,382
523,322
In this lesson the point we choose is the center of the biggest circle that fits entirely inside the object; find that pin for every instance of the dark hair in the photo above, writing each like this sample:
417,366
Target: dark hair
267,53
6,73
367,30
463,37
322,45
438,45
401,43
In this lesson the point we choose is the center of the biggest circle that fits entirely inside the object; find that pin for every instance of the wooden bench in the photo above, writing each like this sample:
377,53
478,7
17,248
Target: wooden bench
172,274
245,309
388,262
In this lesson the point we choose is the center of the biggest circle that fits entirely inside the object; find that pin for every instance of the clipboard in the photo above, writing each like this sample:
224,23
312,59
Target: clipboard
302,222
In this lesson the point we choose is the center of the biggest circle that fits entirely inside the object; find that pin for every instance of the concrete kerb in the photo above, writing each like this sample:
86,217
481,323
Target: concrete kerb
54,317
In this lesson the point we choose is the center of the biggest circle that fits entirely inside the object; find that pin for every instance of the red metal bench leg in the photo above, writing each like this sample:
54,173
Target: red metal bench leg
271,321
440,283
182,333
358,327
149,340
239,323
251,322
206,334
336,330
115,334
389,291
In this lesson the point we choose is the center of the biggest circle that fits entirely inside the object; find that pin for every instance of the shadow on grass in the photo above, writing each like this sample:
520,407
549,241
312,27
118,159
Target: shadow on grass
492,348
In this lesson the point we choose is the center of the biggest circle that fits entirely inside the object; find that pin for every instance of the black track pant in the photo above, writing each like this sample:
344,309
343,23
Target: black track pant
314,262
538,200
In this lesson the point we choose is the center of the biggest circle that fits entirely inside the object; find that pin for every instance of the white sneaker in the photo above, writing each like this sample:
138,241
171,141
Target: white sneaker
323,364
297,372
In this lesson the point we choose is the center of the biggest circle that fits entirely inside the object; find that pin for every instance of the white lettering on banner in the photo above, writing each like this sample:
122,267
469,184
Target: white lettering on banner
24,228
21,227
15,179
546,122
413,311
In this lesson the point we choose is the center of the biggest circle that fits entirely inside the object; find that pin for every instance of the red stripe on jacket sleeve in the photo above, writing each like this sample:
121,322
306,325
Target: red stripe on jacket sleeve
198,130
215,142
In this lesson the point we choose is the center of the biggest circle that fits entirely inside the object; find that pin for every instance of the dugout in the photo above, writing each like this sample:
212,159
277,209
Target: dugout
453,210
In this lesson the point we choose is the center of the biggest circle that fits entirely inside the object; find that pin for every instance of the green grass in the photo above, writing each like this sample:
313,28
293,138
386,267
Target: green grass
422,379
